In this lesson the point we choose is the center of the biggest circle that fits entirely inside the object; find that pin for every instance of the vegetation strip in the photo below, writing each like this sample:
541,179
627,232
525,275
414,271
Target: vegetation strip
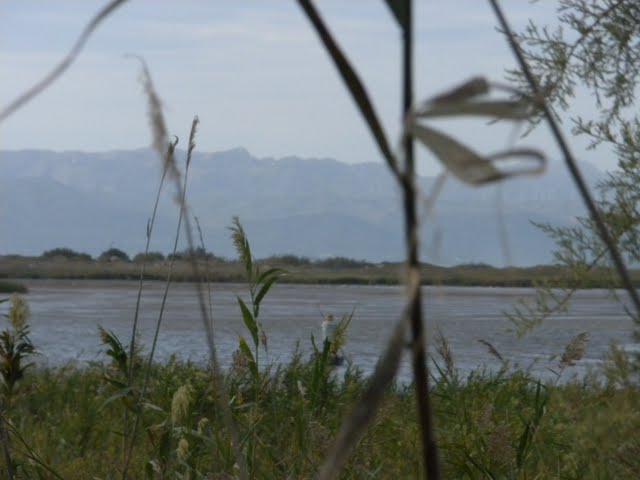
298,270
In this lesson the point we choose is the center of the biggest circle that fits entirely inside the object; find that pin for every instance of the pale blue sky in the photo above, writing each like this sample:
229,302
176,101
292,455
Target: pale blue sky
253,71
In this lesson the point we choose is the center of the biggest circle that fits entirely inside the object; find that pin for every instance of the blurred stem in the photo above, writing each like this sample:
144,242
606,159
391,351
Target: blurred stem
429,448
134,330
4,439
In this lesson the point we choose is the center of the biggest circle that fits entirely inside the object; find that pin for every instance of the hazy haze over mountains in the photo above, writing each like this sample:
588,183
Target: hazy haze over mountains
312,207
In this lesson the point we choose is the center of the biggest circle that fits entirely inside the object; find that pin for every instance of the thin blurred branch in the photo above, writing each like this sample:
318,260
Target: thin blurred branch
64,64
353,83
419,354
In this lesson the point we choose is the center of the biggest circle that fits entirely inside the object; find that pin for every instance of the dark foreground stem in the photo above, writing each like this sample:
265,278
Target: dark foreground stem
571,163
4,439
423,400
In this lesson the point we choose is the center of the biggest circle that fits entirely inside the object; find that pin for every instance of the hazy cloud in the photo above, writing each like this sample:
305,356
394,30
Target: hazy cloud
253,71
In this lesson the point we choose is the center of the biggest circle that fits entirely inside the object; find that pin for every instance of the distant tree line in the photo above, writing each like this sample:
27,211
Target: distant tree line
117,255
329,262
66,253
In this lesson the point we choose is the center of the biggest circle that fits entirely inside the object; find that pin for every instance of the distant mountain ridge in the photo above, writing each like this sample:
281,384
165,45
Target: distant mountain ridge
312,207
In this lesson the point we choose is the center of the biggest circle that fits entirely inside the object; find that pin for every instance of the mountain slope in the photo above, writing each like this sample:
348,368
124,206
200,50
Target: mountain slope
312,207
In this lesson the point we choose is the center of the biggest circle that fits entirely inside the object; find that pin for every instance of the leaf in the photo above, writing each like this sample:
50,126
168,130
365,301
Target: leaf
461,161
118,395
353,83
115,382
471,88
469,166
241,244
263,291
116,350
244,348
399,10
537,158
151,406
249,321
272,271
460,101
503,109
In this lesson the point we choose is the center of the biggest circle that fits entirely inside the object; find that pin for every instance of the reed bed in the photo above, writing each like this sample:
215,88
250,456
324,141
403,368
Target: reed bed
386,273
587,429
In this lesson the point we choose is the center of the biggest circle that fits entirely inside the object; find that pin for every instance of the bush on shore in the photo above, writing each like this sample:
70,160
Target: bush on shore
66,253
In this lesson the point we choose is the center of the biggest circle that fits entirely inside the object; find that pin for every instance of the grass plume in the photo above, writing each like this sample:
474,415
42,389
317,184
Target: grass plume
574,350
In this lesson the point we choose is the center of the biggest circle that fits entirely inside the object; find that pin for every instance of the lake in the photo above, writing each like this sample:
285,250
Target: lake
66,313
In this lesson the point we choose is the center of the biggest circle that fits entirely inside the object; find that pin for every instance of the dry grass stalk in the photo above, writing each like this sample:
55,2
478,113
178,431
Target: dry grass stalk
485,421
574,350
444,351
500,445
150,224
157,124
192,138
492,350
181,403
160,141
207,271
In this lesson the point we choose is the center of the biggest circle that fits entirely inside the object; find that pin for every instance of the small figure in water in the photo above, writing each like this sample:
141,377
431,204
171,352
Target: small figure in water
329,334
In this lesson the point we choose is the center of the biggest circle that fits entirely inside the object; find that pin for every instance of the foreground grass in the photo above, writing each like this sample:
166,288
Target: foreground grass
12,287
355,273
488,426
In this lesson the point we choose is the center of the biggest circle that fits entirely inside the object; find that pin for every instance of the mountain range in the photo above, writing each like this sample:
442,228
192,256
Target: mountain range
91,201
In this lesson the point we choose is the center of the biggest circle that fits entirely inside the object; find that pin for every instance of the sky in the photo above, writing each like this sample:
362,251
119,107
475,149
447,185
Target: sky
253,71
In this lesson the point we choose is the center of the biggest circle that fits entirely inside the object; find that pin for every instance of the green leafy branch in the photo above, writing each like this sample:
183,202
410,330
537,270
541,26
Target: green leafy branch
259,285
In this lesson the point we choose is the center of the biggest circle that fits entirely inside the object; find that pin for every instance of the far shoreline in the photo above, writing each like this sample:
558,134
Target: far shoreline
15,270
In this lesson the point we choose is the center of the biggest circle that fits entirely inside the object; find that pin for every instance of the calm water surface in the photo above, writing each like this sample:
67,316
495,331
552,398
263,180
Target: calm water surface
66,313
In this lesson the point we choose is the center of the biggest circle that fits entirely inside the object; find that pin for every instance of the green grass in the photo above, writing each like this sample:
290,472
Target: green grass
503,425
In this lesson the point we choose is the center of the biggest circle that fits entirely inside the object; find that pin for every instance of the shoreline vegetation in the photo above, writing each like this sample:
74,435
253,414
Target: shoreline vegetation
488,424
571,430
299,270
11,286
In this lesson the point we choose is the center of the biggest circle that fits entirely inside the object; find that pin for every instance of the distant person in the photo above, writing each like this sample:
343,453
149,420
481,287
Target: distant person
329,334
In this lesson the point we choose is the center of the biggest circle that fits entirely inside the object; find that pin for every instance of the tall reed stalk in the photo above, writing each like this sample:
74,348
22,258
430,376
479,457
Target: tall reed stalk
134,328
149,231
413,281
207,272
160,135
154,343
